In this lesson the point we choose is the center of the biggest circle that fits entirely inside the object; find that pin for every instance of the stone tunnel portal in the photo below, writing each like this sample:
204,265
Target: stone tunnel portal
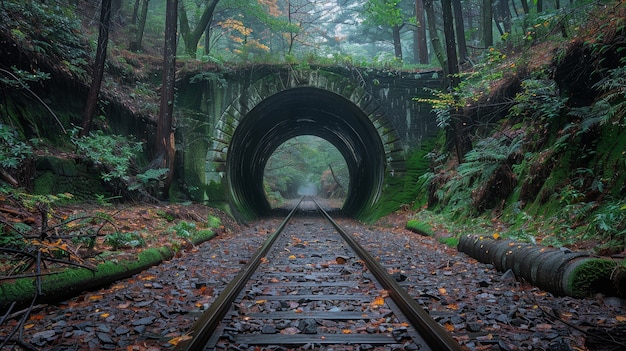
304,111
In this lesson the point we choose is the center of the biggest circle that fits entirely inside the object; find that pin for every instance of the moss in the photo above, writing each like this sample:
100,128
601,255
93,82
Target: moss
203,235
419,227
404,189
70,280
591,277
451,241
609,162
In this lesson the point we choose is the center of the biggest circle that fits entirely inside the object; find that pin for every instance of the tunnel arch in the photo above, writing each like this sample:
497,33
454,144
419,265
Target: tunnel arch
304,111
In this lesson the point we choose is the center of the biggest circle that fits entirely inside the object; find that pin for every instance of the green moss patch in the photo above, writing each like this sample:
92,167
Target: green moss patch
592,276
419,227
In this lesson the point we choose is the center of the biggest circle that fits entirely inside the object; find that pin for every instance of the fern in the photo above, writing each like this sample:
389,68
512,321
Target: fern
612,104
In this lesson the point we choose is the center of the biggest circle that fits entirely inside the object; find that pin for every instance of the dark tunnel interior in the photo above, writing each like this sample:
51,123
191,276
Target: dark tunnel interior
304,111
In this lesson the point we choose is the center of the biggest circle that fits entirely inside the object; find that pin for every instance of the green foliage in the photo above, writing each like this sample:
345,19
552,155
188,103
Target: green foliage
419,227
120,240
213,221
13,151
149,179
184,229
609,223
450,241
52,33
167,216
539,99
481,163
10,239
112,153
19,79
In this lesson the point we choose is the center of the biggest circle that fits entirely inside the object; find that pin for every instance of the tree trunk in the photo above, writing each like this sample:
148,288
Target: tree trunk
397,45
421,45
455,131
451,55
525,7
133,19
505,15
98,69
487,16
165,146
135,45
539,6
460,29
434,35
193,37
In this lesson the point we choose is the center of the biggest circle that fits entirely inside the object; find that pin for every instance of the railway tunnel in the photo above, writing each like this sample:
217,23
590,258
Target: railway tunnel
304,111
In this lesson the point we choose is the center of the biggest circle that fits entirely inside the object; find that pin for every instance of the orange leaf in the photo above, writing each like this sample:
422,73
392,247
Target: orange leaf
346,331
443,291
449,327
95,297
620,318
378,301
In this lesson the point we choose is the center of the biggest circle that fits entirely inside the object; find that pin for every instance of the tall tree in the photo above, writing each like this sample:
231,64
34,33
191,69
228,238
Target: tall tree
387,13
455,133
135,44
434,34
98,68
459,25
165,146
192,37
487,16
452,62
421,46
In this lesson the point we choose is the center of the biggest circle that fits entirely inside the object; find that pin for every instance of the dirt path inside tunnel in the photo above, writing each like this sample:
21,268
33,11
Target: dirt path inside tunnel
483,309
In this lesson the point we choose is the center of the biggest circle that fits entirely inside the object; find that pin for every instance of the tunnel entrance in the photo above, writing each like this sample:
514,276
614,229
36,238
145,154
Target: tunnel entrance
304,111
306,166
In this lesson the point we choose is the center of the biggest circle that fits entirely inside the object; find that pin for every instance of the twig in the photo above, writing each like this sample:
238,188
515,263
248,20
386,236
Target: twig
36,97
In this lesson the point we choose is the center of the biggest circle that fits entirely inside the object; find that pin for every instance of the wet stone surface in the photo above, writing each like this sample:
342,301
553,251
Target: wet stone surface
482,308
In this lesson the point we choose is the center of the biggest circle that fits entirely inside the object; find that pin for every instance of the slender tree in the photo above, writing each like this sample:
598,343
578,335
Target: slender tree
434,34
165,146
452,62
487,16
420,33
459,25
98,68
135,44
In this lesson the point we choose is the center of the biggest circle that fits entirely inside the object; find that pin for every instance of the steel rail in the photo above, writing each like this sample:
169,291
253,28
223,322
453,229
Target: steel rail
432,332
203,329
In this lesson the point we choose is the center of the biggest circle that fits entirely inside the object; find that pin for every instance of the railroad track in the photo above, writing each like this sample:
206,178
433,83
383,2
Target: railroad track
311,284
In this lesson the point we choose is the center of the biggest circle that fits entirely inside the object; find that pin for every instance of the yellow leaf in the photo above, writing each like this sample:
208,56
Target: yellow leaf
104,315
258,302
496,236
292,257
28,326
178,339
442,291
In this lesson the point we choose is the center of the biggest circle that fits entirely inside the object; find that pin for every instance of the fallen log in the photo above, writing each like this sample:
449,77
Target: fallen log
558,271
